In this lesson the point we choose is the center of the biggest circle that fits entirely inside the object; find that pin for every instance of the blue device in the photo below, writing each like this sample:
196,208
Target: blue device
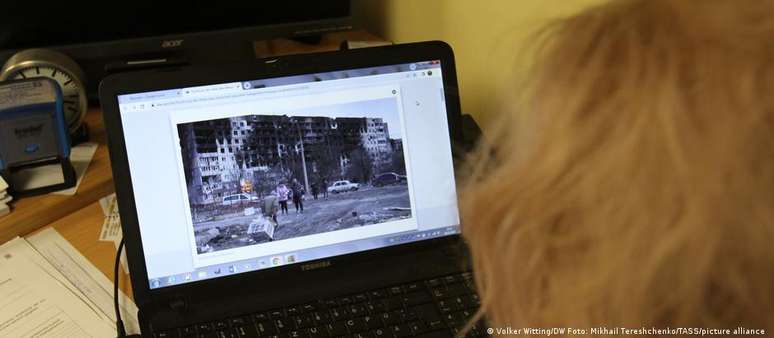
33,134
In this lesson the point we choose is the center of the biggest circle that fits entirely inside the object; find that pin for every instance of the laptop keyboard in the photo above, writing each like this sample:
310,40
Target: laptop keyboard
437,307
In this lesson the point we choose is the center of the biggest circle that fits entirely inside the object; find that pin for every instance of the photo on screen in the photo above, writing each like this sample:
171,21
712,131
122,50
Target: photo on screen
258,178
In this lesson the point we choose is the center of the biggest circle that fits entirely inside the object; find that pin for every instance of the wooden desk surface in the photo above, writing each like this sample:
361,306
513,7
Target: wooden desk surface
31,213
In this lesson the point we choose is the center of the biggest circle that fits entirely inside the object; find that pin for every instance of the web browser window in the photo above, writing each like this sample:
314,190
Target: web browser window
252,175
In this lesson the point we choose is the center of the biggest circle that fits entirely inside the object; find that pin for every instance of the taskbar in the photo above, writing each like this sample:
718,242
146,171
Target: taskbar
272,261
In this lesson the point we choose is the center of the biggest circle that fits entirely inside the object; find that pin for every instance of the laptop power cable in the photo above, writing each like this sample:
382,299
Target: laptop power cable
121,330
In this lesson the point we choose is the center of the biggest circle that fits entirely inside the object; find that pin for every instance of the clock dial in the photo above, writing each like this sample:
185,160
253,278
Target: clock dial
71,103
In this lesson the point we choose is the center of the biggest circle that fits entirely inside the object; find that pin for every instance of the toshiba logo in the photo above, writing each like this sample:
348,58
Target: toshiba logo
171,43
314,266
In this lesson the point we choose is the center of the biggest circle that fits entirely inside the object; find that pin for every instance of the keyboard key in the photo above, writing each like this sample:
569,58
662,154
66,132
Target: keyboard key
414,287
395,291
436,324
224,333
416,298
372,322
355,325
447,306
401,330
381,333
451,279
417,327
309,307
303,321
360,298
339,313
376,306
345,300
458,290
435,282
408,315
276,314
297,334
293,311
321,317
204,327
173,333
317,331
220,324
260,317
337,328
390,318
188,331
283,324
427,312
245,331
356,310
238,321
377,294
392,304
265,328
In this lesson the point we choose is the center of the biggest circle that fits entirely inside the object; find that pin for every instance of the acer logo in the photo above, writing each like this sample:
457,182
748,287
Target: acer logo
171,43
314,266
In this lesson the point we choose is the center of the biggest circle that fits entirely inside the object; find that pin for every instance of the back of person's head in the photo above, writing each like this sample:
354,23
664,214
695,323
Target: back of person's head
633,185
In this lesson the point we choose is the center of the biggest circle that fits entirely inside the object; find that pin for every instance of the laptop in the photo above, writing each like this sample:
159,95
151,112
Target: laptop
301,196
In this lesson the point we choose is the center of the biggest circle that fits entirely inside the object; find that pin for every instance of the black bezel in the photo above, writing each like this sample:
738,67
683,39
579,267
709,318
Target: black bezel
136,82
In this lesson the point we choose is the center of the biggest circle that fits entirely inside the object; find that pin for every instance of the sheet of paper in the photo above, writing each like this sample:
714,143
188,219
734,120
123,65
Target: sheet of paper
111,226
23,248
84,275
80,157
35,304
105,202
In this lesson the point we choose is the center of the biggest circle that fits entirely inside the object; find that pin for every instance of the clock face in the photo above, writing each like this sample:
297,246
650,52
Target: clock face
71,102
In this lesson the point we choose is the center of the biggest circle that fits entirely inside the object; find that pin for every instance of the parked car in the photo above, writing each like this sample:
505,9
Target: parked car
387,179
342,186
238,199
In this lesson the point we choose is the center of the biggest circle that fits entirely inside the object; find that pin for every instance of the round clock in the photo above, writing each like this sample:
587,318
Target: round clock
57,66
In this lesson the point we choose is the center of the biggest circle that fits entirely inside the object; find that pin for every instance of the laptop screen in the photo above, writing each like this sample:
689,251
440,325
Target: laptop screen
245,176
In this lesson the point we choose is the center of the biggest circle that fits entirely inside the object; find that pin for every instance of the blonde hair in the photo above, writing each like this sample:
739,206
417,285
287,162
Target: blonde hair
634,184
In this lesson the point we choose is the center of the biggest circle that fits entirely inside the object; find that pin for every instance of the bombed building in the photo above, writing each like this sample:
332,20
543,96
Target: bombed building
220,155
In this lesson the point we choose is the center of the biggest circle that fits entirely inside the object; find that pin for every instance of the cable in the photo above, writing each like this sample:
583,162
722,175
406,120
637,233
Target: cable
121,330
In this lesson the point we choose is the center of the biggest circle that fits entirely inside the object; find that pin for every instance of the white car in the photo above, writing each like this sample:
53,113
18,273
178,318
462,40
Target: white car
238,199
342,186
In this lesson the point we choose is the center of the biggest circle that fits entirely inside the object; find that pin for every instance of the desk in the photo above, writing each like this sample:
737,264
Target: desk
82,228
79,217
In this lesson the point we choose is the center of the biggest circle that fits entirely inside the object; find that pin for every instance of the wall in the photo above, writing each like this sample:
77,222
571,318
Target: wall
489,37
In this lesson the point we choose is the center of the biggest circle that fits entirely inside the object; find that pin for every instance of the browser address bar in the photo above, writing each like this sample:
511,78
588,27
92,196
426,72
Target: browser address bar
250,93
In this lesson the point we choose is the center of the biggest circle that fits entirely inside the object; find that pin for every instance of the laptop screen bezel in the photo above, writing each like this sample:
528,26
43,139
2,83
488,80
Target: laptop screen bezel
138,82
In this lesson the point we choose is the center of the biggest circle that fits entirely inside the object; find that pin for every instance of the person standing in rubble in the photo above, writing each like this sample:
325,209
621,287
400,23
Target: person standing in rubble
298,194
283,194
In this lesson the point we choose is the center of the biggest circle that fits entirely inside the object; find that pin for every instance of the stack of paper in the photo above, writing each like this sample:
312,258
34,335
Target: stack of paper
48,289
111,226
4,198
